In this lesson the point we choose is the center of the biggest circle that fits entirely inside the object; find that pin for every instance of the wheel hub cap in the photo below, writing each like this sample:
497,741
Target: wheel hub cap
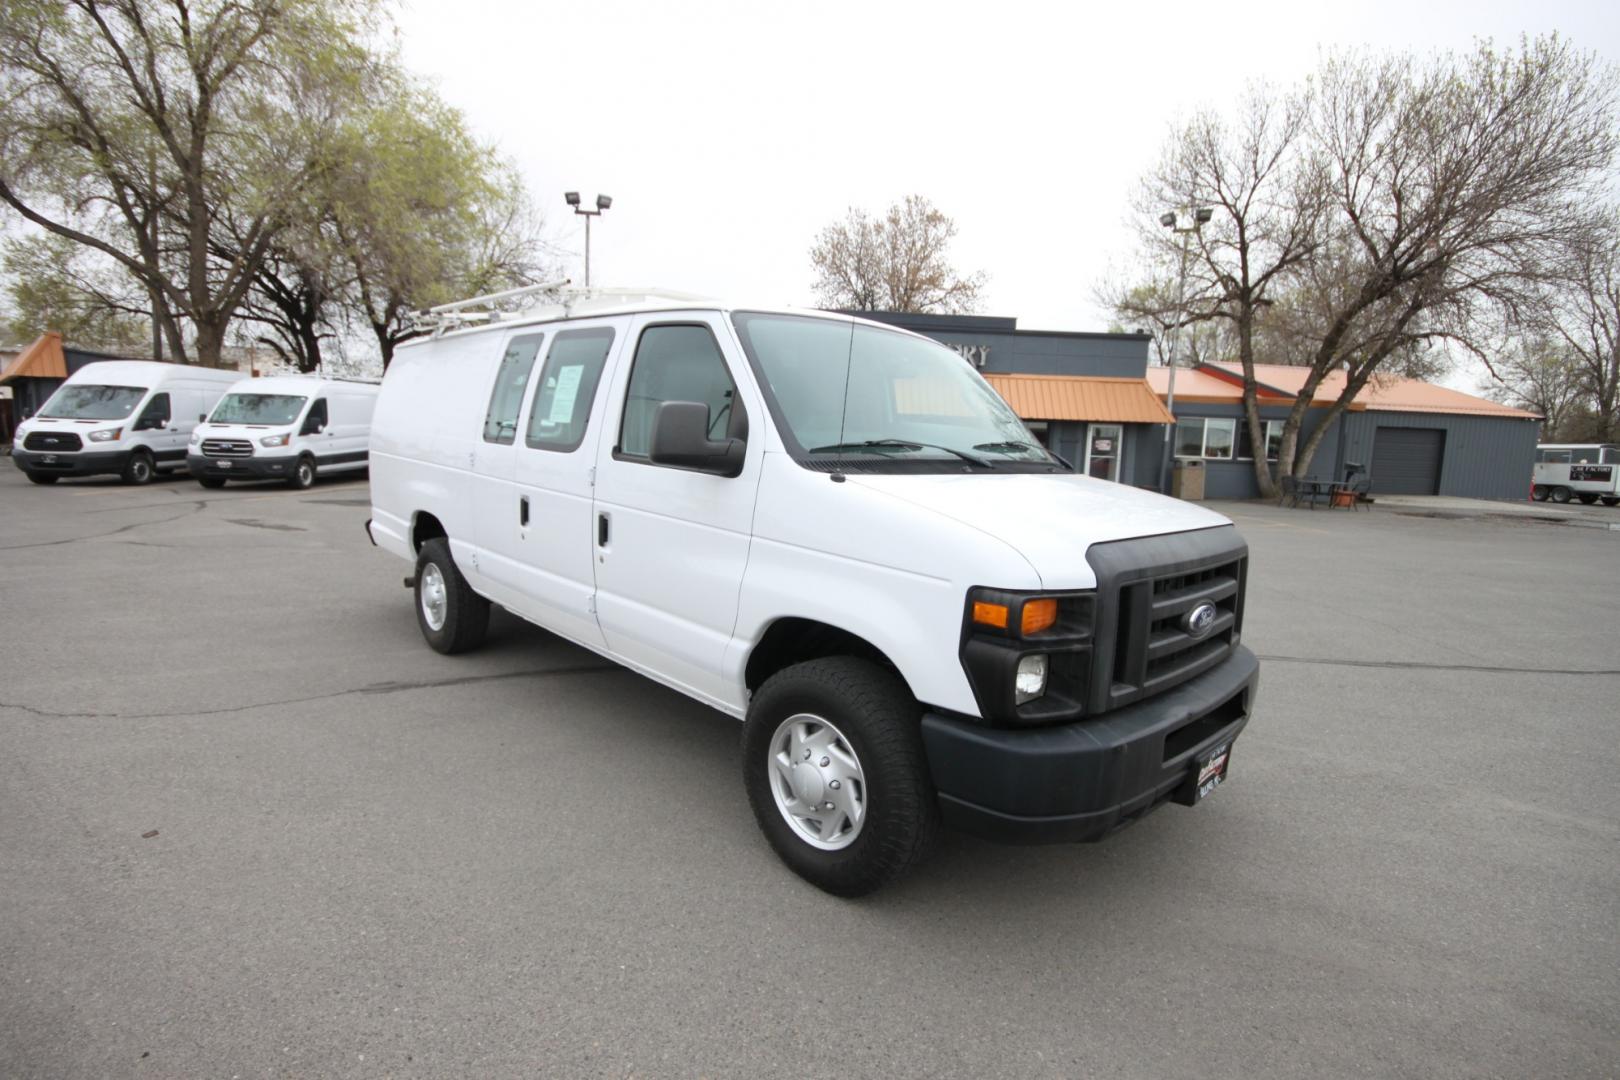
435,601
817,781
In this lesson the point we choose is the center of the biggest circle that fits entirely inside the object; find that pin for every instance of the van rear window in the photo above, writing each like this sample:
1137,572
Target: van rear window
567,387
506,401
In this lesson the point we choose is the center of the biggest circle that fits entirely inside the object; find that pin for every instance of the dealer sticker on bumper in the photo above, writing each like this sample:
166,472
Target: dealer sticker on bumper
1213,771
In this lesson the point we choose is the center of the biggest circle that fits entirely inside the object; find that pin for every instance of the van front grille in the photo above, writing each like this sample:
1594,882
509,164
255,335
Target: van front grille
227,448
1145,590
53,440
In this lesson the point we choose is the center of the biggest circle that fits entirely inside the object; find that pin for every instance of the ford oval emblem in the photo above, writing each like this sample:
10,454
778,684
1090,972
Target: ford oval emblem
1200,620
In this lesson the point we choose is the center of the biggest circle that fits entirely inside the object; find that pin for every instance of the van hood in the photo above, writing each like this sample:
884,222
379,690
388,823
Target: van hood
1050,519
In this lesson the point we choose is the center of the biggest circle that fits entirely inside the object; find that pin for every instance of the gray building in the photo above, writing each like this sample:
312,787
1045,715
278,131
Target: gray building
1094,400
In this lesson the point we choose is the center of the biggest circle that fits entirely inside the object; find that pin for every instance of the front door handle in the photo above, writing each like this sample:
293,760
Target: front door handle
523,511
601,530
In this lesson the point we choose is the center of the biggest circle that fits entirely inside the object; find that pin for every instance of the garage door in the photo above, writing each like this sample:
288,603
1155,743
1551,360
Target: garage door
1406,461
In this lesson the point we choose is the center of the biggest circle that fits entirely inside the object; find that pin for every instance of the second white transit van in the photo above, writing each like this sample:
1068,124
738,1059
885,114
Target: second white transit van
836,532
291,428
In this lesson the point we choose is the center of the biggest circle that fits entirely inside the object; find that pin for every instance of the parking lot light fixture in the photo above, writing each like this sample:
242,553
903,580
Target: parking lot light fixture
603,202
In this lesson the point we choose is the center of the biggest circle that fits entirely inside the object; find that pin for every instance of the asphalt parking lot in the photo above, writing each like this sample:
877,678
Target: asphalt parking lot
250,825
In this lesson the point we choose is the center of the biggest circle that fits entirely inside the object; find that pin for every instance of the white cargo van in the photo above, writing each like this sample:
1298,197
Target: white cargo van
286,427
130,417
836,532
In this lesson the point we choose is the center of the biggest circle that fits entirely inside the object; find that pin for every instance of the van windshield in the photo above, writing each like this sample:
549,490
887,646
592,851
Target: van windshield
846,391
85,402
272,409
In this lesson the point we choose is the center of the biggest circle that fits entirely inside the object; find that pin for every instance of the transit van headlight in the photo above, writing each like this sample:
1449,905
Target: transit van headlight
275,440
196,437
107,435
1031,680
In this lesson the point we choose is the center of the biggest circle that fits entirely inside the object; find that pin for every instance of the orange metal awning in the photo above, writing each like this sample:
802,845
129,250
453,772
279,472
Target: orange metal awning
41,360
1081,397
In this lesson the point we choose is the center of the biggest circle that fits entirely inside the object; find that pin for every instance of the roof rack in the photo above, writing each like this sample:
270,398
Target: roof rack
564,301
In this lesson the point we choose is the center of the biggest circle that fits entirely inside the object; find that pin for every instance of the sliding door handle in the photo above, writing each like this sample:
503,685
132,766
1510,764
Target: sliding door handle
523,511
601,530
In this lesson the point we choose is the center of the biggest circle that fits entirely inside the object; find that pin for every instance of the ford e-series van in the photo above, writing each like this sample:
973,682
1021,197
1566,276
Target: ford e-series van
286,427
836,532
131,418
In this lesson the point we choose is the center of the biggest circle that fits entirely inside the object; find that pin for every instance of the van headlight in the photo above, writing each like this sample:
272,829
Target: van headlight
275,440
196,437
107,435
1027,655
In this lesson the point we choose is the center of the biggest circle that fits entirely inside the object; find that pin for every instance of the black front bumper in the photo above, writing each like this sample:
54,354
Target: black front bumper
1081,781
70,463
243,468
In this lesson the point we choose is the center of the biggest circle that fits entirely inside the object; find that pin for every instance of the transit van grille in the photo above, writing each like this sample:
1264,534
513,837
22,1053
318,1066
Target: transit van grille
227,448
1146,588
52,440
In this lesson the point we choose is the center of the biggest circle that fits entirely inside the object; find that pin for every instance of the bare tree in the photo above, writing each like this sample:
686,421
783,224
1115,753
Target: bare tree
1451,185
134,124
1584,313
1540,374
898,262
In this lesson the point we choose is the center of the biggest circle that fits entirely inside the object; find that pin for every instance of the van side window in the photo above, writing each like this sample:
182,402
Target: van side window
1558,457
506,401
316,420
567,386
674,363
156,413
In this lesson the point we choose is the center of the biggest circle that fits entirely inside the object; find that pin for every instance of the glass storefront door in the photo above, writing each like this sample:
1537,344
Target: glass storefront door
1103,451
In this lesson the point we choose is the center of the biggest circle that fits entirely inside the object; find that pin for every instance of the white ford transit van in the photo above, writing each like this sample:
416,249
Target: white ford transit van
836,532
129,417
286,427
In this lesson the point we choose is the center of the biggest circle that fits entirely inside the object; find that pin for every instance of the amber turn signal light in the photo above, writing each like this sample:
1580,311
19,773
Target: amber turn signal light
992,614
1038,615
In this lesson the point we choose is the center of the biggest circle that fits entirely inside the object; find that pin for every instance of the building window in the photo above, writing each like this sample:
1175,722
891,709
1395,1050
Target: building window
1217,437
1038,428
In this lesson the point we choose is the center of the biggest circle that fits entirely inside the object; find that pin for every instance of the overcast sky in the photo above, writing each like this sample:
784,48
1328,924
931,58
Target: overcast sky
729,134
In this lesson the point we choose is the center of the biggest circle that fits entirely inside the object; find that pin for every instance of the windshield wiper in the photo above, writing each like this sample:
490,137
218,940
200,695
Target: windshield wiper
901,444
1011,445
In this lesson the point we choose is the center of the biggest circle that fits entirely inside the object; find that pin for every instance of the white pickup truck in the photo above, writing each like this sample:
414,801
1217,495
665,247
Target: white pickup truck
836,532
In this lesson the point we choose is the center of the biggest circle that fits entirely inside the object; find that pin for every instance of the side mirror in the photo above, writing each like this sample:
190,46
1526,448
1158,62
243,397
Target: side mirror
680,437
202,418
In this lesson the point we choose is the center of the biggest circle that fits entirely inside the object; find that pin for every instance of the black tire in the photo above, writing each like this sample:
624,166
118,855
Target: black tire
1560,494
1611,500
879,718
303,474
139,469
466,616
213,483
41,478
1587,498
1538,493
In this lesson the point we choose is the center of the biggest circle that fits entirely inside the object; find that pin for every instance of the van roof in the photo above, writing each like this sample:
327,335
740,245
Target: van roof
298,384
142,373
639,302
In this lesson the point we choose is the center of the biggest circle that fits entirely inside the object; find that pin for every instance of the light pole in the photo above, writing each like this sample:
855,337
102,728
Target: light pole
1186,223
602,203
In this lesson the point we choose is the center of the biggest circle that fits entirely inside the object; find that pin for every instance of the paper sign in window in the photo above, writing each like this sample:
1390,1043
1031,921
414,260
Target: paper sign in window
562,398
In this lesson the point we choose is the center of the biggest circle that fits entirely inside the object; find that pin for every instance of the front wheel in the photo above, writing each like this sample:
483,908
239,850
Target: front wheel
453,618
41,478
834,768
303,475
1611,500
140,469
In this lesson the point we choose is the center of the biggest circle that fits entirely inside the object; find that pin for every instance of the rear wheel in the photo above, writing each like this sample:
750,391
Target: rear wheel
41,478
140,469
303,474
214,482
453,618
1560,494
1611,500
834,768
1538,493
